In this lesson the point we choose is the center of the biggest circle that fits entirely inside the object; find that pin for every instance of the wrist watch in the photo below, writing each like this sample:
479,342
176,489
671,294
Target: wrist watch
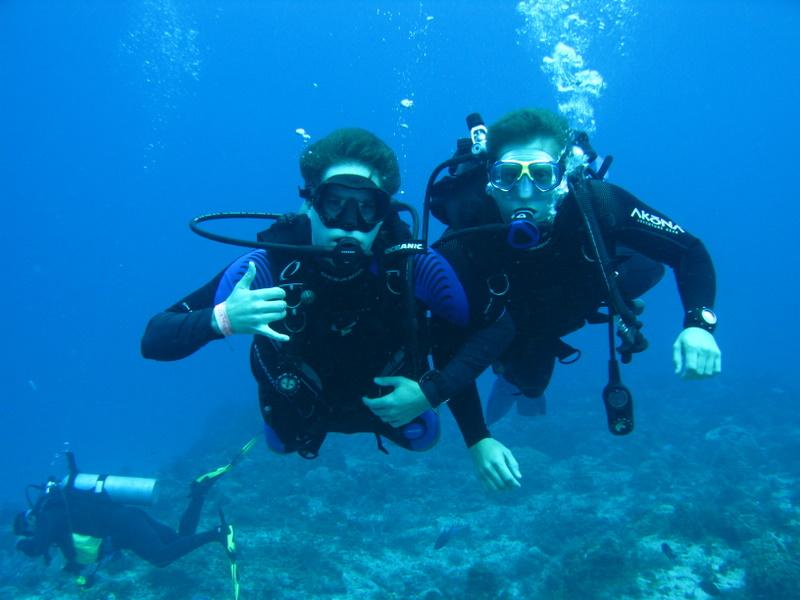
702,317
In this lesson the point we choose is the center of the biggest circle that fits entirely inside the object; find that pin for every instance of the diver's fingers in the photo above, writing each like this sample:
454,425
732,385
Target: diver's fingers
389,381
267,294
258,321
493,472
265,302
507,479
488,479
713,362
677,356
399,421
513,466
380,409
700,367
485,475
247,279
381,404
267,331
711,357
690,362
269,306
718,363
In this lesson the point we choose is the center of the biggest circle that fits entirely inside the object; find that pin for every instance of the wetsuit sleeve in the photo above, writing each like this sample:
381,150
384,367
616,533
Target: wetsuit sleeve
468,413
466,341
185,327
480,348
655,235
439,288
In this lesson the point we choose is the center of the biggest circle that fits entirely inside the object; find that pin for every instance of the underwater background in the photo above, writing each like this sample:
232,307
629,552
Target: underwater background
121,120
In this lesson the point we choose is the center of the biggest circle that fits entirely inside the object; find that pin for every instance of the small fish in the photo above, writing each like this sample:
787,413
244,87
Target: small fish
407,102
668,551
710,588
447,534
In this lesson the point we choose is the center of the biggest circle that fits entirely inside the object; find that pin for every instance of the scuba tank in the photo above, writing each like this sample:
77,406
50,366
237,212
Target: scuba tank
142,491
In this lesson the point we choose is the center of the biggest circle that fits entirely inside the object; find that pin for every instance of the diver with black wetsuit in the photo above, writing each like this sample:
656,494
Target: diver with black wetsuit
520,220
336,347
88,526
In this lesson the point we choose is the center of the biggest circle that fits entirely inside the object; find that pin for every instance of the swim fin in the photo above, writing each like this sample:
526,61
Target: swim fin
229,541
202,483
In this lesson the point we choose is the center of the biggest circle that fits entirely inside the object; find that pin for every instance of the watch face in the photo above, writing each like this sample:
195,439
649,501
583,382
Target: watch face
708,316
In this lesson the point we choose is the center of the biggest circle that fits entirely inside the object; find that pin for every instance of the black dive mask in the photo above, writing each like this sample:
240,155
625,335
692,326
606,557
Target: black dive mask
350,202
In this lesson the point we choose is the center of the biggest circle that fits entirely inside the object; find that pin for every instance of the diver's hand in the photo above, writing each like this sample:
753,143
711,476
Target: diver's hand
496,466
402,404
251,311
696,354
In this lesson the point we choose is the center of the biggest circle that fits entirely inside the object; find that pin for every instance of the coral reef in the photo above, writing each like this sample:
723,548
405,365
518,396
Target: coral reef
590,521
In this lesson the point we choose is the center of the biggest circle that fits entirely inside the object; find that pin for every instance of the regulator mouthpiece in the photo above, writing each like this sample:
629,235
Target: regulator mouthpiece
523,232
348,252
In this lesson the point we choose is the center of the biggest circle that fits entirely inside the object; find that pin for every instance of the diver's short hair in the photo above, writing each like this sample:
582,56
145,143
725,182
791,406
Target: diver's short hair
351,145
523,125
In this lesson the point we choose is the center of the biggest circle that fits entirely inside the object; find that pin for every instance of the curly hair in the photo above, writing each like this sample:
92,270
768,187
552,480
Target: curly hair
351,145
523,125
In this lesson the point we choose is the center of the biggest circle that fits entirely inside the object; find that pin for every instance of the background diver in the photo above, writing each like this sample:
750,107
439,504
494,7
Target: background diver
90,518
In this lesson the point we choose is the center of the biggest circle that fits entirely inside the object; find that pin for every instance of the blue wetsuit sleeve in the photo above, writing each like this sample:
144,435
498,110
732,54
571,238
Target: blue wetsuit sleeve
185,327
237,269
438,287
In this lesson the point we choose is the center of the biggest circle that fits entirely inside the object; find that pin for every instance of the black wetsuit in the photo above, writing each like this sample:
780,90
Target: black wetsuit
121,527
344,330
552,290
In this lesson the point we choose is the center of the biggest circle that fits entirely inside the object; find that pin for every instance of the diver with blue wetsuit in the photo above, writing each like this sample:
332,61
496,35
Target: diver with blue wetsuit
334,343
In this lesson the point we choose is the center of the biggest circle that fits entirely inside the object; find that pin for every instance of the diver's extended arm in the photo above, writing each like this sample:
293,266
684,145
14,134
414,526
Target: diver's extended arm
184,327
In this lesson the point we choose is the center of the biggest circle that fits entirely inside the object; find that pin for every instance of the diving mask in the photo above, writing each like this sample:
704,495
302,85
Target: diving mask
544,172
350,202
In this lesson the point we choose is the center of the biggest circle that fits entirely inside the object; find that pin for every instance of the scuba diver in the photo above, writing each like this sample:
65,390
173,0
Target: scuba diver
555,243
90,518
335,297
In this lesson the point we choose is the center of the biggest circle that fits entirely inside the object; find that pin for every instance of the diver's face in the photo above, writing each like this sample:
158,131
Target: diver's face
524,194
329,236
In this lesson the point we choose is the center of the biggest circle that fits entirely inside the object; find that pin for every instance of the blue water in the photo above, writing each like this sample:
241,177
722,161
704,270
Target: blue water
119,121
